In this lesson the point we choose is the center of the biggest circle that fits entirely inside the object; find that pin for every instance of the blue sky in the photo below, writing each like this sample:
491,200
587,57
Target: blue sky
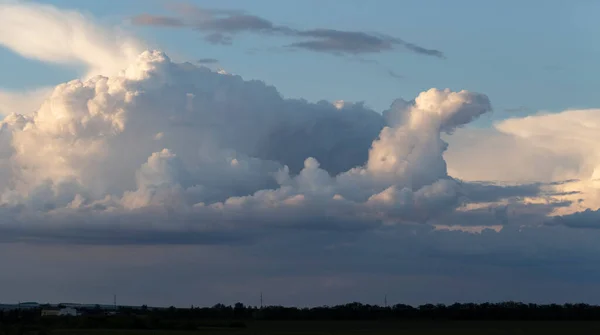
530,56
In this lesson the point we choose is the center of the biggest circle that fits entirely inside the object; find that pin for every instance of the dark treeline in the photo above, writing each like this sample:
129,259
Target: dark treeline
239,315
358,311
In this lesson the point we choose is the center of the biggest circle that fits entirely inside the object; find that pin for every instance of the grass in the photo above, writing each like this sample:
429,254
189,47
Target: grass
374,328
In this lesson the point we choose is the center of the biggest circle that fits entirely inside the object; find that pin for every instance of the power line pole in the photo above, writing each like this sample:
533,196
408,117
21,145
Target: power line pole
385,301
261,300
115,301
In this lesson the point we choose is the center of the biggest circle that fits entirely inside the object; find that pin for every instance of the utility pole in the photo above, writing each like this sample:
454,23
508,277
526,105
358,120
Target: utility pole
385,301
261,300
115,301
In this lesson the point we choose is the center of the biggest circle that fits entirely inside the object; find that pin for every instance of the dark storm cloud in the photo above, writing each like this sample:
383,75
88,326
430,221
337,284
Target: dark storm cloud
589,219
107,235
427,267
485,192
488,192
95,228
196,227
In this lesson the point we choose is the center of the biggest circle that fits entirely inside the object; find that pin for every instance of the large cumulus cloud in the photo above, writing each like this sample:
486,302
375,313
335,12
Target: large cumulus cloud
163,136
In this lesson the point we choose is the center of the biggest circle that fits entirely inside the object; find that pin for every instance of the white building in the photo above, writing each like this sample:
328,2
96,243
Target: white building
68,311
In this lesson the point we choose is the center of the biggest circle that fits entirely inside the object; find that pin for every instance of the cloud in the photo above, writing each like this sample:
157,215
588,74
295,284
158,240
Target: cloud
220,26
49,34
413,265
351,42
544,147
236,23
207,61
219,38
154,20
216,22
395,75
586,219
22,102
211,147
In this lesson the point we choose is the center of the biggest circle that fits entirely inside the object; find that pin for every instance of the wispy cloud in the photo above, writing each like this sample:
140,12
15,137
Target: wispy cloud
48,34
356,42
395,75
154,20
330,40
220,27
219,38
207,61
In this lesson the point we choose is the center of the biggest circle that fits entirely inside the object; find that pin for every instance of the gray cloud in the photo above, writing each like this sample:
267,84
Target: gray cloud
485,192
220,26
154,20
330,40
420,50
207,61
395,75
413,265
364,60
236,23
353,42
219,38
588,218
191,10
71,234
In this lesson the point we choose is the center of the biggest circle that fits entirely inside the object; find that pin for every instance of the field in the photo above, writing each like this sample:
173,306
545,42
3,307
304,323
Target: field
376,328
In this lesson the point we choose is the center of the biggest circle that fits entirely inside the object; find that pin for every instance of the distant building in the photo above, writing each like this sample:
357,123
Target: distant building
68,311
50,312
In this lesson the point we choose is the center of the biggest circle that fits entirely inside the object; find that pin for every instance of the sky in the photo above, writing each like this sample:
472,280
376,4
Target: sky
202,152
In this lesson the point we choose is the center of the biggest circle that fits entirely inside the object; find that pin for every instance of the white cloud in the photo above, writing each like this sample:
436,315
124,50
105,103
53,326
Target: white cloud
95,142
25,102
49,34
544,147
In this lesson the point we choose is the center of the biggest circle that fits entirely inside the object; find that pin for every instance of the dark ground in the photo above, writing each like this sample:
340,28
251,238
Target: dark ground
376,328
